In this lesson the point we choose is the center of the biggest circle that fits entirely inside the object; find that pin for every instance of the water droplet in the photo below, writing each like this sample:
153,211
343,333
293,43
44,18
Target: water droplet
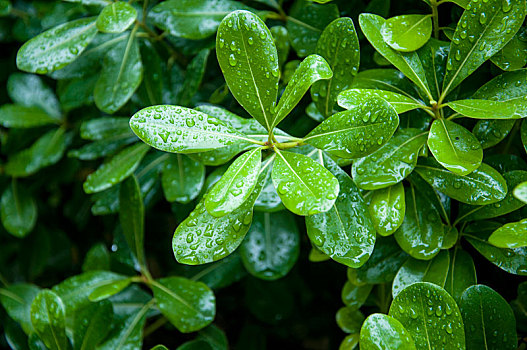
232,60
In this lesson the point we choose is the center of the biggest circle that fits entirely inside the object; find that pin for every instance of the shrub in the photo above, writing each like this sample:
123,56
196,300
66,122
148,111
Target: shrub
408,173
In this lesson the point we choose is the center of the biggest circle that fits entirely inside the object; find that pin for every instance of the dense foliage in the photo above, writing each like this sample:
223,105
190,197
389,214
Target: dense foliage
354,161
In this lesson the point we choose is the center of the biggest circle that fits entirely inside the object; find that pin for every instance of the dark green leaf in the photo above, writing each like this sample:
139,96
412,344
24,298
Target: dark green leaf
492,131
461,274
128,332
513,55
90,325
182,178
17,116
355,296
16,300
281,41
18,210
29,90
194,76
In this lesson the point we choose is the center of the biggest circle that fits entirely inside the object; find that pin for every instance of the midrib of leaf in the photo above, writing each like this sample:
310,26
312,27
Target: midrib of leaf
330,81
341,131
134,322
415,25
467,56
421,83
88,332
12,295
77,34
295,173
482,322
450,173
209,269
105,44
52,328
418,223
266,118
124,61
453,270
401,91
448,138
176,297
303,24
424,324
390,154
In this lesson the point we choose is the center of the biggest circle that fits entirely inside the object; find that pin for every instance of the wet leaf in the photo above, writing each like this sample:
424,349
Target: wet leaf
381,331
349,319
391,163
387,209
492,131
182,178
407,32
487,109
48,319
511,235
30,91
128,333
90,326
16,299
461,274
520,192
188,305
252,73
454,147
353,98
488,319
18,210
355,296
272,245
56,47
116,17
344,133
513,56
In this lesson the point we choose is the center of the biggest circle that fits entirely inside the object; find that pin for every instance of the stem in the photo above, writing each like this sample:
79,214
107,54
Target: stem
286,145
155,326
435,18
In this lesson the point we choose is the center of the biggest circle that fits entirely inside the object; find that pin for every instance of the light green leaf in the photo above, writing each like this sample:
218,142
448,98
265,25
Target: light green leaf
183,130
192,19
381,331
461,274
488,319
236,185
16,299
345,233
49,321
484,28
305,186
421,233
485,185
47,150
121,75
507,87
108,290
355,296
391,163
520,192
407,32
407,62
30,91
511,235
358,132
387,209
56,47
188,305
249,62
272,245
90,325
413,271
454,147
202,238
305,24
18,210
349,319
339,45
116,17
116,169
490,132
132,216
182,178
430,315
353,98
487,109
312,69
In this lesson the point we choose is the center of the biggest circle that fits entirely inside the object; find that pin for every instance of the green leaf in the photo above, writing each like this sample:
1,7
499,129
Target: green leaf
305,186
487,109
483,29
116,169
507,87
281,41
16,300
313,68
382,265
97,258
236,185
182,178
221,273
349,319
188,305
268,200
128,333
183,130
485,185
355,296
305,24
116,17
513,56
454,147
421,233
520,192
488,319
413,271
339,46
193,76
510,235
391,163
387,209
121,75
430,315
345,233
47,150
344,133
381,331
440,202
490,132
353,98
153,74
386,80
407,33
30,91
18,210
461,274
105,128
49,321
202,238
131,217
90,326
249,62
272,245
192,19
56,47
407,62
433,56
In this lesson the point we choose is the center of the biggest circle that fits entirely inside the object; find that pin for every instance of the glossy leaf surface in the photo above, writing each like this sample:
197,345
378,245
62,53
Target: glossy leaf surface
16,299
381,331
116,17
353,98
487,109
511,235
132,216
461,274
407,32
90,325
182,178
387,209
48,319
